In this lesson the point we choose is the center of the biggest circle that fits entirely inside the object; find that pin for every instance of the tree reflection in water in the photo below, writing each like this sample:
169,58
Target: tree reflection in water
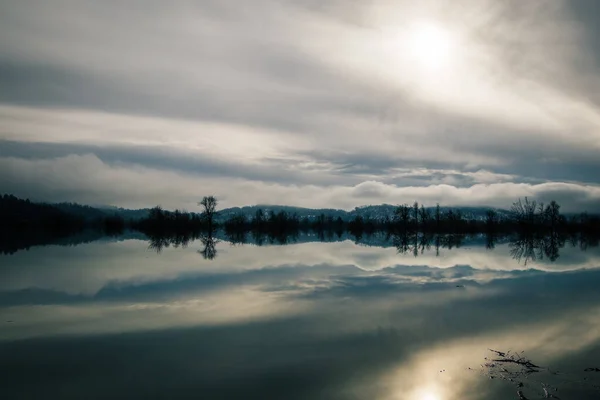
209,252
525,248
158,242
532,248
416,243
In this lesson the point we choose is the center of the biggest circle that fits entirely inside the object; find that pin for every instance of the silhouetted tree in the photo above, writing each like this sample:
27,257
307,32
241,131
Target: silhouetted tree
259,219
402,215
552,214
424,216
156,213
524,212
210,207
415,212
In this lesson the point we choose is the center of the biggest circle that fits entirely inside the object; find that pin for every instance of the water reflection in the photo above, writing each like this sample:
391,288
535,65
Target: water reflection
314,319
159,242
209,251
523,248
417,243
532,248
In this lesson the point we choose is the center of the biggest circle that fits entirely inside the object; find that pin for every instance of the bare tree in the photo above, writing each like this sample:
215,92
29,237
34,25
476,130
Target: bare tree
524,212
210,208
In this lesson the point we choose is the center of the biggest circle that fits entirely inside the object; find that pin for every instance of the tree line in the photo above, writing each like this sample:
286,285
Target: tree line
523,247
23,215
25,223
525,216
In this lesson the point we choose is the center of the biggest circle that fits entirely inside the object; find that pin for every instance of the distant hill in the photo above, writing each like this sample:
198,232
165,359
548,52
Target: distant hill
379,212
250,211
15,212
376,212
84,212
126,213
89,213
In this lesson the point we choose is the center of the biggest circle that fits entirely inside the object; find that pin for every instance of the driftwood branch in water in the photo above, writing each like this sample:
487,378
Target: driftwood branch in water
521,395
514,359
515,368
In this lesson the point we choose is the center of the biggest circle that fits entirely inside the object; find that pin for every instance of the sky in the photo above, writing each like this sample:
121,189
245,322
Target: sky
313,103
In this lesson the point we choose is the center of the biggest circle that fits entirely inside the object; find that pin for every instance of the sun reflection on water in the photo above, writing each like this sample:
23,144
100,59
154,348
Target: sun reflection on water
427,393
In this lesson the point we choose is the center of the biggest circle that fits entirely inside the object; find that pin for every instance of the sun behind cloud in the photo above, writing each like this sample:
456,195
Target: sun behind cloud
431,45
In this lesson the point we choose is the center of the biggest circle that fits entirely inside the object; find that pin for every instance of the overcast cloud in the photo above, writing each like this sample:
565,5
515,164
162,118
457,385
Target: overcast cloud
309,103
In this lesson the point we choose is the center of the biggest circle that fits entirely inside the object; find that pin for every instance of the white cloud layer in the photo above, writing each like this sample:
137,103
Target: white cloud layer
89,180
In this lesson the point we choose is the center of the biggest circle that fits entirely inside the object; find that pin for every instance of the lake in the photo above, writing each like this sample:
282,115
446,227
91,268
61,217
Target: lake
385,318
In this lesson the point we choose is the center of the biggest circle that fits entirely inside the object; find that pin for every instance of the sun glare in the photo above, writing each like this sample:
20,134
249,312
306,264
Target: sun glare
430,396
431,46
428,393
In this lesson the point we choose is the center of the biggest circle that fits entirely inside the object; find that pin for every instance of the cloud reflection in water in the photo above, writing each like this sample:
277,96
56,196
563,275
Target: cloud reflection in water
343,321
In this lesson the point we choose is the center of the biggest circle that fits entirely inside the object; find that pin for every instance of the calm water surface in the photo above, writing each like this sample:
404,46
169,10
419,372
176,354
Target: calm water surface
339,320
